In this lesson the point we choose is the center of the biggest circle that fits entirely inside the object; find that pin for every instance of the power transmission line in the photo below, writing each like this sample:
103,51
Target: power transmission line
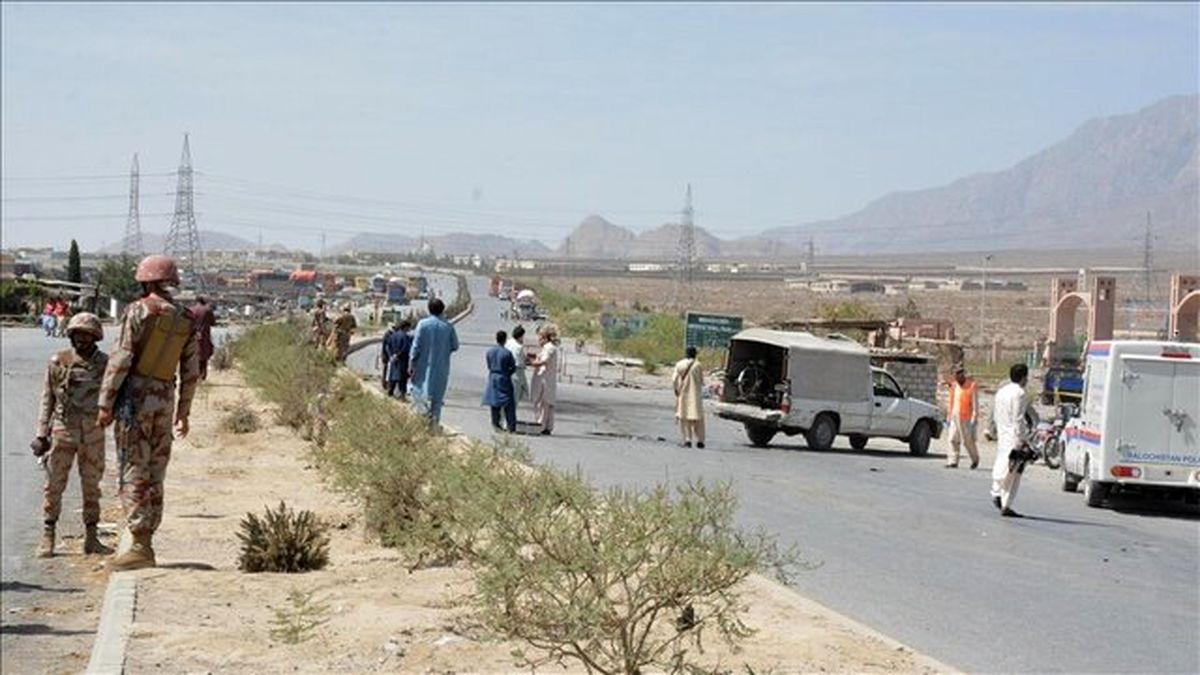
132,243
183,239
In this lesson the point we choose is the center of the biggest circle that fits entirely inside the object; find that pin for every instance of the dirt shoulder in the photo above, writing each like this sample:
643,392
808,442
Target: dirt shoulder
197,613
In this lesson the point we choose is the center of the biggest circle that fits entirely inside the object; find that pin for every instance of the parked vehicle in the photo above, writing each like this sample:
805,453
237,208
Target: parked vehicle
397,293
798,383
1049,436
1138,427
1062,383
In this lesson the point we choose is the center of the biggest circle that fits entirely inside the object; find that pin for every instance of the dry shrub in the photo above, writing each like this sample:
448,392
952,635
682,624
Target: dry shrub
283,541
279,360
620,582
242,420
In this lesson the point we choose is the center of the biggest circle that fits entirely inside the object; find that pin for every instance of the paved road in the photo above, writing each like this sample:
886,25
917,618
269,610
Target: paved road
910,548
23,359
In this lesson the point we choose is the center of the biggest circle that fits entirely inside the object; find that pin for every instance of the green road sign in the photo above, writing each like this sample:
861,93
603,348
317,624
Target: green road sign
710,330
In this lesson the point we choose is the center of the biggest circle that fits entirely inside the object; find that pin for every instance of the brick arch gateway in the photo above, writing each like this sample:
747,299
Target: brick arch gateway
1066,298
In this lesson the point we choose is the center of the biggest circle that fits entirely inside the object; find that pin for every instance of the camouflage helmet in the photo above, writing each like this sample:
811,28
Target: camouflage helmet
346,307
88,323
157,267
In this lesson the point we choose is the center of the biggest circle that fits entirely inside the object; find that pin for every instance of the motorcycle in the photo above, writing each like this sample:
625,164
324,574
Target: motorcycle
1048,439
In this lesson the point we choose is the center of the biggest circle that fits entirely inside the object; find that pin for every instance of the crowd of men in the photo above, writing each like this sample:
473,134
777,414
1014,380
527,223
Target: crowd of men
145,388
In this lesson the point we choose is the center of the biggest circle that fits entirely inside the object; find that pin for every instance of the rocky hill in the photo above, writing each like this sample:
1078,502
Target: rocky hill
454,244
1093,189
596,237
210,240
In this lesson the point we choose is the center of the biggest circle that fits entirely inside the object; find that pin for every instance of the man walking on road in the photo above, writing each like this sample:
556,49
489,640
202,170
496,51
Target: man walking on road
67,429
1009,409
429,360
964,402
688,382
498,393
157,342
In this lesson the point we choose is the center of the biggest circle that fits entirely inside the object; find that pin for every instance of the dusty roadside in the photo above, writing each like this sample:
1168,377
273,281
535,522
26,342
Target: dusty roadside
49,610
198,613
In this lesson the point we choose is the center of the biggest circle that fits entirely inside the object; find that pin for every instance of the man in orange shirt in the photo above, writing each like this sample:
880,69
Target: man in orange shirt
964,407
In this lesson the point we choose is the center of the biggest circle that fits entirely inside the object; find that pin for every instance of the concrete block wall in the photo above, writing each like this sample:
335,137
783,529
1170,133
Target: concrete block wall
920,380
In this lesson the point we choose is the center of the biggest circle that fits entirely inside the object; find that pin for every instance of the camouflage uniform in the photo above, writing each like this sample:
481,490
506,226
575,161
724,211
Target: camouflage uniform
343,328
320,327
70,398
146,438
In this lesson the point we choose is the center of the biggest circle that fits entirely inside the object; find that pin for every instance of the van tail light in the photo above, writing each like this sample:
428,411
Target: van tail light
785,403
1120,471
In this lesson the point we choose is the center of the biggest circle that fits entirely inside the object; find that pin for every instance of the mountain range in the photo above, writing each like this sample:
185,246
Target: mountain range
1094,189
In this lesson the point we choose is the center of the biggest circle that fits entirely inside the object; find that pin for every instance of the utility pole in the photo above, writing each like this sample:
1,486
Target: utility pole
1147,261
983,301
687,254
131,245
183,239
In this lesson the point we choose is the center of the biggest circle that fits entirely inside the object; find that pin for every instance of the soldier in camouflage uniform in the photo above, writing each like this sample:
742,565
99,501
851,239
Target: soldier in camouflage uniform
157,341
343,328
319,329
67,429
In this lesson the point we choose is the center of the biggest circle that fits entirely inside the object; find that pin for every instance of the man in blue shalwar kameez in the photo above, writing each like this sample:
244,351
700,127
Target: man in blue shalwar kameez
429,359
499,391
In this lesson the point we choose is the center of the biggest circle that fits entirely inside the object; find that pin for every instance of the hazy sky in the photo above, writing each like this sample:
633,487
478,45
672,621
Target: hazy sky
522,119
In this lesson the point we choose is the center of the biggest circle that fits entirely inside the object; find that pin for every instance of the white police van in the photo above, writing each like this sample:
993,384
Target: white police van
1138,426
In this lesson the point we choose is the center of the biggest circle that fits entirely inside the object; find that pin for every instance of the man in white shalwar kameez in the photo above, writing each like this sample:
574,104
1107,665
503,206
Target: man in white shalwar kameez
688,381
1008,411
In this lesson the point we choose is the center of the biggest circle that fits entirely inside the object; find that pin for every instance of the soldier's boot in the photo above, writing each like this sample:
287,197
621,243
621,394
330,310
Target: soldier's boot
139,556
46,547
91,542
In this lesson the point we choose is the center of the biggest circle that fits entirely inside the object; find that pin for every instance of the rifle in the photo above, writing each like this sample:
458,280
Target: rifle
126,415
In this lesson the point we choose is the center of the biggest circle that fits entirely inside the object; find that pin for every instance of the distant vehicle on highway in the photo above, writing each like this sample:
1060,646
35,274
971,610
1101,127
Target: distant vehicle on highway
1063,384
798,383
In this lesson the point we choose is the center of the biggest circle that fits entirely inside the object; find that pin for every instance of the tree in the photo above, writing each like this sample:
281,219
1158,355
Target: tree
74,270
117,279
908,310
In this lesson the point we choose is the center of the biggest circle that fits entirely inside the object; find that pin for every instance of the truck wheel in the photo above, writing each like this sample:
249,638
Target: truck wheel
1070,481
759,435
918,440
858,441
822,432
1095,492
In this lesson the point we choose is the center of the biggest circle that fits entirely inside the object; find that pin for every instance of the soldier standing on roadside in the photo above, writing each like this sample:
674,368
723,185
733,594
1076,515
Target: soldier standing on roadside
157,341
67,429
343,328
319,329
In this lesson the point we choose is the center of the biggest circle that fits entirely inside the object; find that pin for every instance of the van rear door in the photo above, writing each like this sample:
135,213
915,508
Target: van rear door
1185,427
1149,389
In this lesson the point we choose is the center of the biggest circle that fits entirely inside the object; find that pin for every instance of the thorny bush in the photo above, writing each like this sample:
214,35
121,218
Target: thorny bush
283,541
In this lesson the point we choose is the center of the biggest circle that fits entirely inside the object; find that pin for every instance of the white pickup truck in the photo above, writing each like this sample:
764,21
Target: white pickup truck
798,383
1137,430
